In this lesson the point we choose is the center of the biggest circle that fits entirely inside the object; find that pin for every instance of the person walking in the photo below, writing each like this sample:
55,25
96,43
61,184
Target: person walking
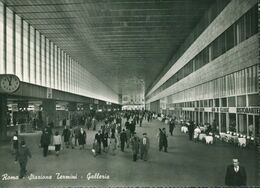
94,123
191,130
160,139
235,174
105,140
145,144
22,157
82,138
135,146
164,140
66,134
98,139
15,142
171,125
197,132
123,140
57,143
113,142
45,142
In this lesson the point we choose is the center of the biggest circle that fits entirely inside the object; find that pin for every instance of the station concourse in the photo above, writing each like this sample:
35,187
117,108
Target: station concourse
129,93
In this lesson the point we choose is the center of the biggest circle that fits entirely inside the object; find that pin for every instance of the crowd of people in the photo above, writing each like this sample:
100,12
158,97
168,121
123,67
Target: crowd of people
118,130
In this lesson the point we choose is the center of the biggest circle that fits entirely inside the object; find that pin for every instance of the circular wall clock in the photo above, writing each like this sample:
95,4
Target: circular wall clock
9,83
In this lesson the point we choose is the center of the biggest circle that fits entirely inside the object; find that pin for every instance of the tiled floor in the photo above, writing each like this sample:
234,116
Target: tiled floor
186,164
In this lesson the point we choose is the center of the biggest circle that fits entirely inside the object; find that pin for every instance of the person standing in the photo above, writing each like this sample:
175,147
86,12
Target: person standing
94,123
82,138
113,142
66,135
105,140
235,174
171,126
45,142
191,130
197,132
57,142
22,156
98,139
15,143
123,139
145,144
135,146
164,140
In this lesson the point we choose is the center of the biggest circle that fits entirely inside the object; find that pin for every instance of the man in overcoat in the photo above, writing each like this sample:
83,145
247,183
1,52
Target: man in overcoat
145,144
235,174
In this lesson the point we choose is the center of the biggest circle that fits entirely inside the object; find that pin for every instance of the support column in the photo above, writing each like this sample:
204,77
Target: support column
3,118
49,112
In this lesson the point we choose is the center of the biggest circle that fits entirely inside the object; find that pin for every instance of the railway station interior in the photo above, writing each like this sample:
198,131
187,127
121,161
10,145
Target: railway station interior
142,93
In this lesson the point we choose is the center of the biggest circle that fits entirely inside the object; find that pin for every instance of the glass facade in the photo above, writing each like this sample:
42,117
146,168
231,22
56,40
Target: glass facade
35,59
241,30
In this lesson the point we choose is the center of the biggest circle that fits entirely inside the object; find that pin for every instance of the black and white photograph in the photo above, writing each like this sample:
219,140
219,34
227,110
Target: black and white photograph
129,93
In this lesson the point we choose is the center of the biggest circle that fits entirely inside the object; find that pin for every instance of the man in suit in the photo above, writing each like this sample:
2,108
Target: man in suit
144,147
22,156
235,174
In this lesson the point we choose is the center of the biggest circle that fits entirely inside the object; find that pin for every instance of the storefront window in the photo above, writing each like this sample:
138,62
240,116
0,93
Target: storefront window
242,124
232,122
223,122
251,126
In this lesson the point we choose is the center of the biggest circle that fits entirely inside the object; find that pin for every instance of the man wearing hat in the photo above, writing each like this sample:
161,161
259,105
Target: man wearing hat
135,145
22,157
145,144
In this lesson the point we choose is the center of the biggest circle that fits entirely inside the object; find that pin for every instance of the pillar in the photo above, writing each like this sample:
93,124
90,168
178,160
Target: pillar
49,112
3,118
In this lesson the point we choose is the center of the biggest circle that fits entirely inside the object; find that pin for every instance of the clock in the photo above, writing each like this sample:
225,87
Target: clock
9,83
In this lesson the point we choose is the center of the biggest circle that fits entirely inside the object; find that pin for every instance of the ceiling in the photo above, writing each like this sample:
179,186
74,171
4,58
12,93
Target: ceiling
124,43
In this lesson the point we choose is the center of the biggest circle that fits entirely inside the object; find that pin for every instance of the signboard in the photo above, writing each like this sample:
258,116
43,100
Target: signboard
246,110
49,93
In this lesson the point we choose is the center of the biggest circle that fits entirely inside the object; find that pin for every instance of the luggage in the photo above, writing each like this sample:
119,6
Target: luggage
94,149
51,148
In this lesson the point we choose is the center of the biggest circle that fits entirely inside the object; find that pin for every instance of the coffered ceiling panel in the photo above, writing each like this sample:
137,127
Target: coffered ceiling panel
124,43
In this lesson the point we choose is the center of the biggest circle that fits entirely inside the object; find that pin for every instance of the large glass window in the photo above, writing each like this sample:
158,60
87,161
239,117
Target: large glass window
230,37
241,101
25,52
9,41
43,60
242,124
38,65
18,47
32,55
2,71
51,66
251,126
47,63
223,122
232,122
232,102
253,100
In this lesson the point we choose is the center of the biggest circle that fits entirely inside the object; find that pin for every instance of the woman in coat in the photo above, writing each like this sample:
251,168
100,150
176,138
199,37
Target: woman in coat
82,138
57,142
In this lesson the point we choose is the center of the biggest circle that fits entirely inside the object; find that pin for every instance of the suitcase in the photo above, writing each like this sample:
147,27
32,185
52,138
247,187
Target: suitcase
51,148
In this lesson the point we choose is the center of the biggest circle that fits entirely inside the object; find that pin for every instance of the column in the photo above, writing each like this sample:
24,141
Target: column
3,119
49,112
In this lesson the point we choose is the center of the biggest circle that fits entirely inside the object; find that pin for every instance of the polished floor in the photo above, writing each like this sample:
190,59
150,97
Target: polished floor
186,164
